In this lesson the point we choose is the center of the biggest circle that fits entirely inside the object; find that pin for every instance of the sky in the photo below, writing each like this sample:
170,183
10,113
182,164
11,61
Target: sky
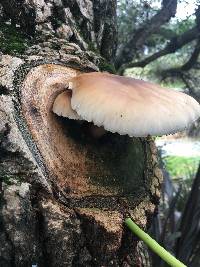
185,9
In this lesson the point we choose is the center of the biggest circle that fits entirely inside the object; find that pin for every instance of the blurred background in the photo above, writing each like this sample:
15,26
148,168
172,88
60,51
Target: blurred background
169,56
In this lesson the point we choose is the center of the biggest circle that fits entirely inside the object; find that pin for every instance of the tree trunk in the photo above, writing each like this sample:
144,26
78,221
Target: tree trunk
64,196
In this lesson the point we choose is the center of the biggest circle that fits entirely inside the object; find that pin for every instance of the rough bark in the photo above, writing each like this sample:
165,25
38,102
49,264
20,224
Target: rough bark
64,195
90,24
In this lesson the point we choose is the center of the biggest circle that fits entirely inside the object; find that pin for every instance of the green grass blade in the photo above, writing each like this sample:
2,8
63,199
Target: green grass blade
153,245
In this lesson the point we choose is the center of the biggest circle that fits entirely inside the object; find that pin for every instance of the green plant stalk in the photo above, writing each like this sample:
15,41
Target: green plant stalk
153,245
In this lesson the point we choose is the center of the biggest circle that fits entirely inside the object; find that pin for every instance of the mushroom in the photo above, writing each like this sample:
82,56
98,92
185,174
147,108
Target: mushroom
128,106
62,106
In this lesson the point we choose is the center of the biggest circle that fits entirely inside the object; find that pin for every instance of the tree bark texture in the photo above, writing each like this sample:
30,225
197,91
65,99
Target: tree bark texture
63,195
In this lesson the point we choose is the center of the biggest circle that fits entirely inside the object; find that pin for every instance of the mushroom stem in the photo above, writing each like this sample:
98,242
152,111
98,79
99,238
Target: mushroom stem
97,132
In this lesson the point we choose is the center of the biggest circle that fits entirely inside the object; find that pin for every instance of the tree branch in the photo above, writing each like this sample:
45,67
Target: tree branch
174,44
186,78
139,37
181,71
186,66
193,59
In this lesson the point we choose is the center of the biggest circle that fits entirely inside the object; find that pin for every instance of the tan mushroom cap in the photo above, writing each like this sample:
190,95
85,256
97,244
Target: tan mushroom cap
62,106
131,106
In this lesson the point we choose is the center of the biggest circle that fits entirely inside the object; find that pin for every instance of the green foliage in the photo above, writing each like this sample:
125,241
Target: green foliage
181,167
180,26
155,69
12,40
135,14
182,171
105,66
10,179
131,14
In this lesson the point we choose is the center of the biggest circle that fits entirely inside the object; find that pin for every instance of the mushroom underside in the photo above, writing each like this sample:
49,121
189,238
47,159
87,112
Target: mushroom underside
62,107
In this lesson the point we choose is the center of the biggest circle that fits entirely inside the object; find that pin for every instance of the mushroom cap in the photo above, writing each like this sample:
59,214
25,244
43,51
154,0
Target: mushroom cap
131,106
62,106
